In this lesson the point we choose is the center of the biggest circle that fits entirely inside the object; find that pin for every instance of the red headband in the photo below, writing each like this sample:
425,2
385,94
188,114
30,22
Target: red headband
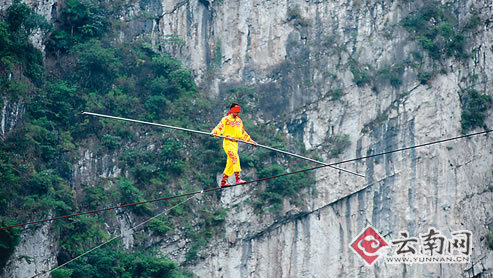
235,109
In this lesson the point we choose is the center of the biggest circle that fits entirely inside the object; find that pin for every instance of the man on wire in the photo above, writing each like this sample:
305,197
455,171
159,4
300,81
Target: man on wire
232,126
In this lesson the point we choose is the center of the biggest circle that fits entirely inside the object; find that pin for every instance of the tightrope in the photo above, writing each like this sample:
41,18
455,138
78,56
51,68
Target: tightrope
202,191
254,181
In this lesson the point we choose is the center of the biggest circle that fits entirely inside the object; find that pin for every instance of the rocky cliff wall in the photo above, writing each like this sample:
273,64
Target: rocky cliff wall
35,254
304,51
11,115
298,55
443,186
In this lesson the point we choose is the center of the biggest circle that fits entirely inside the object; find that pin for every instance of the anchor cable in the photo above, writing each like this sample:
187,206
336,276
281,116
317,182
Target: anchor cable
254,181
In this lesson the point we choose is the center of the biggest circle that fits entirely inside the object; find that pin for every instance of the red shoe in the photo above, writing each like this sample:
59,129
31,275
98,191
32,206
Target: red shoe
224,181
238,178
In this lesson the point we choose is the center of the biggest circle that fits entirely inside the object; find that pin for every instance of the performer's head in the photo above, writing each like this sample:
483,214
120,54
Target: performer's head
234,109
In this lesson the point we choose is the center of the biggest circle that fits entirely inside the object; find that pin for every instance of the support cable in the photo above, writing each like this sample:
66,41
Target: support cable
110,240
255,181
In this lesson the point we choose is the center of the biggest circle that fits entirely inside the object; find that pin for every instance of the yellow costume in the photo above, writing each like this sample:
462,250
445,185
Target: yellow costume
231,127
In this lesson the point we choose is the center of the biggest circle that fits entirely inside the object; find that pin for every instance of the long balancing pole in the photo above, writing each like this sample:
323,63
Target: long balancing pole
220,136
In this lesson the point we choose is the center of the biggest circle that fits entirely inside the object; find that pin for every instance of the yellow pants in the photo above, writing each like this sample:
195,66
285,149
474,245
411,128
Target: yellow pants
233,162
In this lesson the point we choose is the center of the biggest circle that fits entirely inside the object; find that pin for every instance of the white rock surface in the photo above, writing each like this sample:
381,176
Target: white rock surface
36,253
10,115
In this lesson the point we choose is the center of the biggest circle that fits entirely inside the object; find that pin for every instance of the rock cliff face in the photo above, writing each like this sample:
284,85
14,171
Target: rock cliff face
297,54
35,254
302,58
11,114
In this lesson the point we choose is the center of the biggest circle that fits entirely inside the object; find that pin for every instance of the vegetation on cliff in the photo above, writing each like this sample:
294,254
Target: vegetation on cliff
87,69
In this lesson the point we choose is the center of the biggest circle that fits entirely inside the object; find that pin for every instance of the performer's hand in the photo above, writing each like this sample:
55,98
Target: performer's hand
254,143
213,134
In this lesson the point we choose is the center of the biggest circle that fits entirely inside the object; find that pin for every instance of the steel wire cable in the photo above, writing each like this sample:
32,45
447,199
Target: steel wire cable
254,181
110,240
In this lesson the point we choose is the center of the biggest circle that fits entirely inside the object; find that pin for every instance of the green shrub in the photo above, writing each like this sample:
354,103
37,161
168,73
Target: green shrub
111,142
392,74
218,54
15,48
59,201
193,251
62,273
474,107
129,157
9,238
424,77
77,234
142,266
338,143
95,197
22,20
130,193
336,94
360,76
282,187
121,104
163,65
40,183
294,13
59,41
79,21
428,44
170,157
142,172
109,262
456,46
433,28
8,174
97,65
472,23
219,216
156,106
489,240
43,136
446,30
159,226
11,184
182,80
57,102
159,86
